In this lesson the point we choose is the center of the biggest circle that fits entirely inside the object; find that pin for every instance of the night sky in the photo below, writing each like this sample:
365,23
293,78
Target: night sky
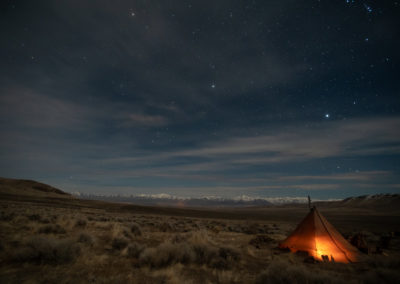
199,98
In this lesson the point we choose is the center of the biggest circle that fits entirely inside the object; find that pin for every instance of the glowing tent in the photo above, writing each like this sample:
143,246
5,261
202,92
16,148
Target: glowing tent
316,236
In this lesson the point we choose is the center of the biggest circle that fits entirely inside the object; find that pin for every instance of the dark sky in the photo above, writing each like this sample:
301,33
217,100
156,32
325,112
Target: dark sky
194,98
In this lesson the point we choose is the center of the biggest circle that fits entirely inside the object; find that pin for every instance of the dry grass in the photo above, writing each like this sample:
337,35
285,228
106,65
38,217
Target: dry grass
283,271
68,245
51,229
41,250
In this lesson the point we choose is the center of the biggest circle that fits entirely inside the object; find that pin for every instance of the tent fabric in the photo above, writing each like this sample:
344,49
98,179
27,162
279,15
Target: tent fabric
316,236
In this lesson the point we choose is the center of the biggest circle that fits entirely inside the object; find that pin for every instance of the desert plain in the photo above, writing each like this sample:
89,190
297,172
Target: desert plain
48,236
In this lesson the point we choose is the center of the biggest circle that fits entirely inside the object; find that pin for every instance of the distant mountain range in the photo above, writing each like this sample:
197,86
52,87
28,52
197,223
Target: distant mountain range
386,201
207,201
33,188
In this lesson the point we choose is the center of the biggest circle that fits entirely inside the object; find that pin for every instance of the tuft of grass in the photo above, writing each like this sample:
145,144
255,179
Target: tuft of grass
205,254
167,254
80,223
42,250
34,217
86,239
187,252
135,229
166,227
134,250
382,275
225,258
4,216
52,229
261,241
126,234
45,221
283,271
119,243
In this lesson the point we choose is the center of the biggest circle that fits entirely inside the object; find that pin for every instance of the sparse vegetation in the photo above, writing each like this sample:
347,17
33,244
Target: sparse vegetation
283,271
52,229
119,243
86,239
135,229
80,223
134,250
93,244
167,254
34,217
42,250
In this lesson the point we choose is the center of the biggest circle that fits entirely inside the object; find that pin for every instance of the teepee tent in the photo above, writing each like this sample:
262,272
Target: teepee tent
320,239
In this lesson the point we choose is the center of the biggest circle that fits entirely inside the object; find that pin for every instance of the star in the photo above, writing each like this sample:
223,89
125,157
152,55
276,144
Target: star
327,115
368,8
133,14
213,85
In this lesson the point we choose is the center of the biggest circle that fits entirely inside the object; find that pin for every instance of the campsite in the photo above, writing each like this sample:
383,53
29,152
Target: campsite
48,236
199,141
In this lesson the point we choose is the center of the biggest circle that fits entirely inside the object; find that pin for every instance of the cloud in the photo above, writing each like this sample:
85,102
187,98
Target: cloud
353,137
107,96
24,107
136,119
238,163
345,138
364,176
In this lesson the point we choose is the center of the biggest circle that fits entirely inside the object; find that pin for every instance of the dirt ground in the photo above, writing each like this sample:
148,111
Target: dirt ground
66,240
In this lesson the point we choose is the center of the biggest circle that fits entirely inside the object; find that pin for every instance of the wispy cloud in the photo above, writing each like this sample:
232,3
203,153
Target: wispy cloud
137,119
28,108
355,137
348,137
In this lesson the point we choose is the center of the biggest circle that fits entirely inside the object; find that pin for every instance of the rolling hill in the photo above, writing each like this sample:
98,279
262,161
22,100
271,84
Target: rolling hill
21,187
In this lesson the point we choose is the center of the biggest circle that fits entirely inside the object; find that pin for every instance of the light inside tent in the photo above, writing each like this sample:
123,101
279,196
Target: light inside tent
326,250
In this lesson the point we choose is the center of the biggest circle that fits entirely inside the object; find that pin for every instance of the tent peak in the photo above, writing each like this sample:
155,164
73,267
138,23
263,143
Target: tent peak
309,204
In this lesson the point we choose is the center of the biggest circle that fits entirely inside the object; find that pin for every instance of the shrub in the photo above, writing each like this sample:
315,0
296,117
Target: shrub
235,228
167,254
178,238
119,243
127,234
135,229
80,223
86,239
134,250
280,271
166,227
52,229
229,253
260,241
381,275
45,221
34,217
200,253
204,253
6,216
47,251
225,258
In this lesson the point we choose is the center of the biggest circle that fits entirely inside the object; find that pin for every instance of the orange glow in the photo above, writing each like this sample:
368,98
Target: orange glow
325,246
321,240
